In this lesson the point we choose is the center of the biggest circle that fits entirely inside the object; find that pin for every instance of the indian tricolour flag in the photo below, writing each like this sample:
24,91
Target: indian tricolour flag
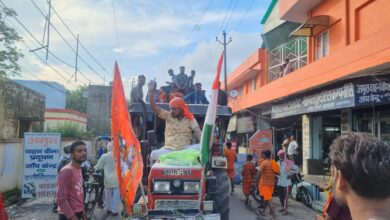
206,139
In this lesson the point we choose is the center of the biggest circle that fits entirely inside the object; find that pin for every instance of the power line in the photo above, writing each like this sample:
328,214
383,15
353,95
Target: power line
189,34
116,29
81,44
231,14
67,42
34,51
244,16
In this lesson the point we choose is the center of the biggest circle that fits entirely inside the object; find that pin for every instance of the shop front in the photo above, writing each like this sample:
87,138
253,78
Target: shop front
362,105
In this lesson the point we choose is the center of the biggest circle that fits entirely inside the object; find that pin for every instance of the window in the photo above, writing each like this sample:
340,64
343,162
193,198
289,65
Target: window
254,84
322,47
24,126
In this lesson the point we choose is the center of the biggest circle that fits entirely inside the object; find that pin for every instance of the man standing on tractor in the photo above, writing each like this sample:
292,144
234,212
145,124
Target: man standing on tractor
231,158
180,126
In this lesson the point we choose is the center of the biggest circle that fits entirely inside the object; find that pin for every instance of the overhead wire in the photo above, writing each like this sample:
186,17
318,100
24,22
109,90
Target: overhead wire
37,42
244,16
188,35
80,43
231,14
116,30
67,43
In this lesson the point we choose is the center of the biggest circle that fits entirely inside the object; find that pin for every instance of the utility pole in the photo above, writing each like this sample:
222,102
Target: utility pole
48,31
77,55
224,43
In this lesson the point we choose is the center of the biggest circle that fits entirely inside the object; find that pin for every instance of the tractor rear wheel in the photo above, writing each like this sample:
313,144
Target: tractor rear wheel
221,199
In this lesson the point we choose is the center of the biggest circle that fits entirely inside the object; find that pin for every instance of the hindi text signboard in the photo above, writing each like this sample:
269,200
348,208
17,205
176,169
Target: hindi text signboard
41,155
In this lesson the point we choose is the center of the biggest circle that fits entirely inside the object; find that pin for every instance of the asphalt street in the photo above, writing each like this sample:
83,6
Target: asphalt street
40,209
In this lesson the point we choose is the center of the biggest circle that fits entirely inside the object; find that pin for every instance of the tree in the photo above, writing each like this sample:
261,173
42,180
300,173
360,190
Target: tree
9,54
77,99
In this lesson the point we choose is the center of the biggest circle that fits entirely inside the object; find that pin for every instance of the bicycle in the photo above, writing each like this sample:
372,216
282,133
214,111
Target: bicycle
303,195
94,192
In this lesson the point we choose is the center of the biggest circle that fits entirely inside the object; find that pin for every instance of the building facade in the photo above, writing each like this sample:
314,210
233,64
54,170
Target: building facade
99,109
59,117
339,83
21,110
54,92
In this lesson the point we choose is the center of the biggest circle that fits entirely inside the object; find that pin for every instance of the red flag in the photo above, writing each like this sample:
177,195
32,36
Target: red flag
126,148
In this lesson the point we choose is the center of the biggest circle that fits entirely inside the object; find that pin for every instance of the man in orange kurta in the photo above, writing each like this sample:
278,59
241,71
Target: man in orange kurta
248,172
230,157
268,169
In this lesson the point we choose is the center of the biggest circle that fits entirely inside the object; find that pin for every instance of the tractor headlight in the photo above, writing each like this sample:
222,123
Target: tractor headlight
191,187
208,206
161,187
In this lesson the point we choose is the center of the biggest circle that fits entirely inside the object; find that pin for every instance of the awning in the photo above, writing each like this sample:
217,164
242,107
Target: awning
314,25
232,124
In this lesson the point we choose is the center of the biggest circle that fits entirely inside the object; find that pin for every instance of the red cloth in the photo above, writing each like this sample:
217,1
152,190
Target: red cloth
70,193
179,103
230,157
3,213
248,172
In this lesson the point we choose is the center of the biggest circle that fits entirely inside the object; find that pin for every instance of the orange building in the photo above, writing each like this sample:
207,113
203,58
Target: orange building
339,81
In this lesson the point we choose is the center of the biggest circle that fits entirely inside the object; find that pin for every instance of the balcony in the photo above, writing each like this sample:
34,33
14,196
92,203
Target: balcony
363,57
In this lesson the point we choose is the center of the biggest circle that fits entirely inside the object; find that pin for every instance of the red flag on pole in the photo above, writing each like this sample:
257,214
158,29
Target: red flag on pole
126,148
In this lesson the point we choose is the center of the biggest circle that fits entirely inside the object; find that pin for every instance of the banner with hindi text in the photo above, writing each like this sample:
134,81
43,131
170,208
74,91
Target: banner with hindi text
41,155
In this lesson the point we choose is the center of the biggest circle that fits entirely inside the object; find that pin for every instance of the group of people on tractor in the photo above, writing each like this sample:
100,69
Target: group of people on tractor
180,85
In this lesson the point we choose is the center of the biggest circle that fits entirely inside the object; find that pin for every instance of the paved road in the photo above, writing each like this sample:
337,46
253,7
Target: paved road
40,209
239,211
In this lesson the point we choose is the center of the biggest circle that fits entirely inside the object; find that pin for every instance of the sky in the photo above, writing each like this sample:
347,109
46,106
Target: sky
144,36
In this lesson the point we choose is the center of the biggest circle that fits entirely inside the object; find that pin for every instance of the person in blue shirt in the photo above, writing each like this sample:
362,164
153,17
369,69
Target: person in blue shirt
196,97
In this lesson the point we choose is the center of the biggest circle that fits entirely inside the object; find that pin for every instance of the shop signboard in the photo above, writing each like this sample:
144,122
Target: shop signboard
371,93
41,155
336,98
245,125
259,142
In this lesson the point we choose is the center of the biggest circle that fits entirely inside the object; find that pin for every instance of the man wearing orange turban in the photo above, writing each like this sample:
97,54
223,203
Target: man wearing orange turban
180,125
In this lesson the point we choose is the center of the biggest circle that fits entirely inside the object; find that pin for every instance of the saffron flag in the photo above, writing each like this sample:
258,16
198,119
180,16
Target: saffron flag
126,148
206,139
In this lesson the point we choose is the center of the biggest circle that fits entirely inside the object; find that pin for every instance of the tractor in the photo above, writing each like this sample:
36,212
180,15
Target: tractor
173,191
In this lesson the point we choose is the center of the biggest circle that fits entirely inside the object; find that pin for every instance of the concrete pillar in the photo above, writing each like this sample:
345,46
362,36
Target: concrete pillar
306,141
316,137
346,120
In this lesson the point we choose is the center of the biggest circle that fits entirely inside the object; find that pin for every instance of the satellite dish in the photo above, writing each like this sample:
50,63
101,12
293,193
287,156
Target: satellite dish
233,93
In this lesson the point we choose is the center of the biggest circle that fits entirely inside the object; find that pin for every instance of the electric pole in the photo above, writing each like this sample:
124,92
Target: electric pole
77,55
224,43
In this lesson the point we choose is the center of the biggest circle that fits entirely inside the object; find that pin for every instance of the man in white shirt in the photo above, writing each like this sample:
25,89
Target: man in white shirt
111,185
292,150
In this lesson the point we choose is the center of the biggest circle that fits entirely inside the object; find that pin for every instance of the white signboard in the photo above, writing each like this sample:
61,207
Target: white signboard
41,155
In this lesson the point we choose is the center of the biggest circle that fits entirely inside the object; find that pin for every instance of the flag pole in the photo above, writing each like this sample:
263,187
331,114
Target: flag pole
143,197
201,187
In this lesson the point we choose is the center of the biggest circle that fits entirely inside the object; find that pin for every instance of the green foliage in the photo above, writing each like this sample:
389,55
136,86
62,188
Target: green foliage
71,130
9,54
75,99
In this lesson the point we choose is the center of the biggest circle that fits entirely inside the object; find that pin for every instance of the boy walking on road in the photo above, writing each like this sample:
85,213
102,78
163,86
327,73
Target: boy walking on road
70,192
248,172
230,157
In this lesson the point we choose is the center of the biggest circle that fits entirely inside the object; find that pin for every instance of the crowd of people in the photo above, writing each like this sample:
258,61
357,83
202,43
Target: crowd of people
180,85
359,186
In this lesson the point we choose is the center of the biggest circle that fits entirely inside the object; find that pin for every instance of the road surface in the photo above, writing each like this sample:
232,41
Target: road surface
40,209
